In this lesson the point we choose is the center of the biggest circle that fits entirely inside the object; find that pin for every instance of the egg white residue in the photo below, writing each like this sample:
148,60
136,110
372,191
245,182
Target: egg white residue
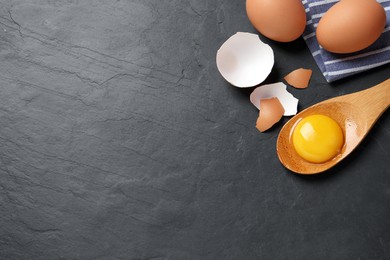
279,90
244,60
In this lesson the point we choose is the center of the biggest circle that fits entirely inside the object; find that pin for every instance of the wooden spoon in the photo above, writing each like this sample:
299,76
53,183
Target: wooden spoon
355,113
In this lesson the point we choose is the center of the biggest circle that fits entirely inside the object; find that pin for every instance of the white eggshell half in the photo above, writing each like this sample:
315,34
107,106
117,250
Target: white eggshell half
244,60
288,101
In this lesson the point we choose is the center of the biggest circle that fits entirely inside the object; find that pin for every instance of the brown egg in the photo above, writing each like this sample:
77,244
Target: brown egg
351,25
271,111
299,78
279,20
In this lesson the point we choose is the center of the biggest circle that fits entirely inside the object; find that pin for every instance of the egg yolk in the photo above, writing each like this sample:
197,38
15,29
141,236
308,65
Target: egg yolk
317,138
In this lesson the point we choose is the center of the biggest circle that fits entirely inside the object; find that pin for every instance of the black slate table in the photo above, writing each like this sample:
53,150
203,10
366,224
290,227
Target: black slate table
119,139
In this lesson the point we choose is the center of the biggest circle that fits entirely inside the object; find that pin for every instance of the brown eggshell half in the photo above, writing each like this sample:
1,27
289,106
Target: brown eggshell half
271,111
299,78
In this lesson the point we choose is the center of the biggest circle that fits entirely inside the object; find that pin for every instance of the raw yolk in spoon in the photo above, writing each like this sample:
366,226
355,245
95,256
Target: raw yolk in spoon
317,138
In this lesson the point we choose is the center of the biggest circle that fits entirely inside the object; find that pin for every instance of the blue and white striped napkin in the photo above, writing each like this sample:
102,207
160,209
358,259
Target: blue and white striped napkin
337,66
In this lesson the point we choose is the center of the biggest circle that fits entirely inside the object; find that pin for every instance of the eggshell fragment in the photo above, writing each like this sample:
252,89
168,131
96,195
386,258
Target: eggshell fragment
299,78
288,101
244,60
271,111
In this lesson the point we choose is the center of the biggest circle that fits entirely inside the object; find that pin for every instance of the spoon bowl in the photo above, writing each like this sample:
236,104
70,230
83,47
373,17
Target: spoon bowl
355,113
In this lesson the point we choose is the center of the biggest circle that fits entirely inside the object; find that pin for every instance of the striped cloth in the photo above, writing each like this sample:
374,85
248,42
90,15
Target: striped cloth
337,66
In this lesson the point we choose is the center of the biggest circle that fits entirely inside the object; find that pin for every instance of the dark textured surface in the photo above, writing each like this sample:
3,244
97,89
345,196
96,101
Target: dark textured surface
120,140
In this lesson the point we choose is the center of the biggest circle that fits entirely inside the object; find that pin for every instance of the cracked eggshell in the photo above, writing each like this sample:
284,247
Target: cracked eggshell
271,111
244,60
299,78
288,101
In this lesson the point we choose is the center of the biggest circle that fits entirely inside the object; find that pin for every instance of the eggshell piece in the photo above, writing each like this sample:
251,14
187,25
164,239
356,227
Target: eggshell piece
351,25
299,78
279,20
244,60
279,90
271,111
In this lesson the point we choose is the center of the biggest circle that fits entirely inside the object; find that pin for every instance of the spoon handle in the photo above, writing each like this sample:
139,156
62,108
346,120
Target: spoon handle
373,101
